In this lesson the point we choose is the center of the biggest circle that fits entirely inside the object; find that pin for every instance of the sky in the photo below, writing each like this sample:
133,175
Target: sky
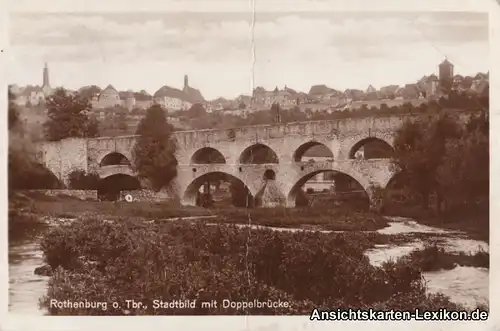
227,52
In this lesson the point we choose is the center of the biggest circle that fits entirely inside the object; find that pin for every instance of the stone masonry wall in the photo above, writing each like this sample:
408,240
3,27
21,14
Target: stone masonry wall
145,195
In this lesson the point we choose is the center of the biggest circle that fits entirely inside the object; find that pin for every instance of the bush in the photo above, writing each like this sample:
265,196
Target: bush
433,258
126,260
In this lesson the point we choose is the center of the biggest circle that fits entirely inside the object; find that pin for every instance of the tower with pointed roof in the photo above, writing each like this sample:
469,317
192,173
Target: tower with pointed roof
46,84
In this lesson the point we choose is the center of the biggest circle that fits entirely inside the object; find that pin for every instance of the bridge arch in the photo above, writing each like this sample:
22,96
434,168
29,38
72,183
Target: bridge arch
258,154
371,148
312,149
109,188
345,182
241,194
113,158
208,155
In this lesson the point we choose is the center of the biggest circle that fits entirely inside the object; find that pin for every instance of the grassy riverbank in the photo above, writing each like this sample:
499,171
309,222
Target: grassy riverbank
129,260
334,219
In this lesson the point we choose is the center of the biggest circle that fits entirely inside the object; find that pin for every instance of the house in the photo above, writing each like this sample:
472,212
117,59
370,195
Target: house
411,91
354,95
371,89
319,90
143,100
174,99
286,98
107,98
171,99
388,92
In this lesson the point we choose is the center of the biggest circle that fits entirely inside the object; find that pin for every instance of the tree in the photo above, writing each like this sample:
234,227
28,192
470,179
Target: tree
196,110
242,105
122,122
154,151
275,110
464,172
88,92
419,148
13,111
69,117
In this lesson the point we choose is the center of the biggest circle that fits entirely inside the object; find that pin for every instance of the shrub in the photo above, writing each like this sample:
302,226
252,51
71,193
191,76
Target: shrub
126,260
433,258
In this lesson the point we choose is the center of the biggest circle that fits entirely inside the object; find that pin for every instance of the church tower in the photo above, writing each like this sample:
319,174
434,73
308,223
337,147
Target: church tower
186,83
46,84
46,76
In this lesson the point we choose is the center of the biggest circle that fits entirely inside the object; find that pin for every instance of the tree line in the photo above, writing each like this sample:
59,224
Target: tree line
444,163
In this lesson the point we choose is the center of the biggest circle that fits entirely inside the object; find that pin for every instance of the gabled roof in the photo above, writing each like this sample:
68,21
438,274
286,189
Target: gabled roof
109,90
193,95
370,89
320,89
433,77
167,91
142,96
389,89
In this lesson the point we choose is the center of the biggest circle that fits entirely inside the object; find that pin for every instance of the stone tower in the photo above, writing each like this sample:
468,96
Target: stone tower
186,83
46,76
445,70
46,84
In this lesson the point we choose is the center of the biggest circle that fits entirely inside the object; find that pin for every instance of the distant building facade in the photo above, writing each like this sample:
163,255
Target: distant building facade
286,98
174,99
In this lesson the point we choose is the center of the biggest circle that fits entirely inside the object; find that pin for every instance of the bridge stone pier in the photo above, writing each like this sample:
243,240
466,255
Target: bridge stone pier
233,148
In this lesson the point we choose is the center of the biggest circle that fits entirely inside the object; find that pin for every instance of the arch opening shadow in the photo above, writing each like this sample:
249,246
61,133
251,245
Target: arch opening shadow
109,188
329,188
258,154
269,174
312,151
208,155
219,189
371,148
114,159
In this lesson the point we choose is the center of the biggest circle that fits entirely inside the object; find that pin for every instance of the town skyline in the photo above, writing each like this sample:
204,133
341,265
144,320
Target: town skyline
146,51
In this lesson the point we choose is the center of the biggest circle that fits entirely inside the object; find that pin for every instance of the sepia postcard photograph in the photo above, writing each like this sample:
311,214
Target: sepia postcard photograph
247,161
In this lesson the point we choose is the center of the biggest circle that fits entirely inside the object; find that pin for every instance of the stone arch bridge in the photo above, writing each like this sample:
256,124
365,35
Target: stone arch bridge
110,156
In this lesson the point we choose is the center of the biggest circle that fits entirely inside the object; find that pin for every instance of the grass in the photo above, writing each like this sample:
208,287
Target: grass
324,218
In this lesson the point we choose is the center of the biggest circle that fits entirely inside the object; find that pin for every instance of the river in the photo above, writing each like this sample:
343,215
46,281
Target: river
464,285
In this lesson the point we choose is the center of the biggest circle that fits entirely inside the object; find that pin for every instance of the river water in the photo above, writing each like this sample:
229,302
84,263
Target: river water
464,285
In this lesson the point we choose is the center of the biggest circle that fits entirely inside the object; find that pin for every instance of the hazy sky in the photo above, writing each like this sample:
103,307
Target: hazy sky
148,50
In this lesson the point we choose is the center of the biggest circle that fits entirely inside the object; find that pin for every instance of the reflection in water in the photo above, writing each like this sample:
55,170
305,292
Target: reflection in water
465,285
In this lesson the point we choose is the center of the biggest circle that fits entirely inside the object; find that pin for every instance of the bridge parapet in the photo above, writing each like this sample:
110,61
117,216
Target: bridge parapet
331,128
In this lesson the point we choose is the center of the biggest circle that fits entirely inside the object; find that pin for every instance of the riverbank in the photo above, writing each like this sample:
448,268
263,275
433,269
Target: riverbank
229,250
306,269
476,224
332,219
